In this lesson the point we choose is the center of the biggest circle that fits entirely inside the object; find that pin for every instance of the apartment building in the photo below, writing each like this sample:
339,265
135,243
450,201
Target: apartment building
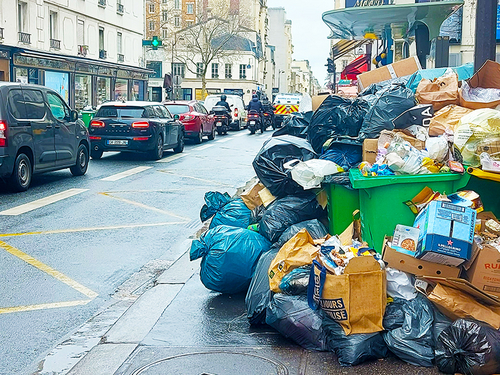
302,78
88,51
280,36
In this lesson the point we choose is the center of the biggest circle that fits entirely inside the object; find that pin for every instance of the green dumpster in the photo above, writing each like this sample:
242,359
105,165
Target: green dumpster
381,200
487,185
87,117
342,202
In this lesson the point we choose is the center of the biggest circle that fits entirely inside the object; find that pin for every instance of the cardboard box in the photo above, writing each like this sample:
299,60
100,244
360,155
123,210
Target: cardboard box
370,146
318,100
446,233
485,271
418,267
251,197
398,69
488,77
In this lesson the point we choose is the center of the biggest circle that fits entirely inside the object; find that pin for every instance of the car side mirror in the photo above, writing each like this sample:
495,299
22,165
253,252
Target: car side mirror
73,116
176,117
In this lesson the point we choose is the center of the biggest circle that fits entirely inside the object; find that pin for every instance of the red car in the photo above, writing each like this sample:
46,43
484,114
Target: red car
196,119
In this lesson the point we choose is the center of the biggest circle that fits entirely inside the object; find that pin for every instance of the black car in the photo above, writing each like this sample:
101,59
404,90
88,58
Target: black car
38,133
136,127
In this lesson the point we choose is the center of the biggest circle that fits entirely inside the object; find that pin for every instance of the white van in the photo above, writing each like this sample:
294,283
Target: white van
239,114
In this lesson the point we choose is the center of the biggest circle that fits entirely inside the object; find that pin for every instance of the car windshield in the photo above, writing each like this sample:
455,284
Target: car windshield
178,109
119,112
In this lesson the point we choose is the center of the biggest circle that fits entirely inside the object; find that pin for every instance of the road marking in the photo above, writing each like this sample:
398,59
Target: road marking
90,229
203,147
43,306
124,174
48,270
224,140
241,134
146,207
42,202
172,158
196,178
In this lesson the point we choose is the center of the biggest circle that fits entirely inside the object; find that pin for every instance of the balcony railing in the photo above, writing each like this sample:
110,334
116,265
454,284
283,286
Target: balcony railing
55,44
121,58
120,9
103,54
1,32
82,50
24,37
102,3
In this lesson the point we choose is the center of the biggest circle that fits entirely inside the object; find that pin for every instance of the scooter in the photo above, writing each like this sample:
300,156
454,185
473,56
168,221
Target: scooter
254,122
221,119
269,120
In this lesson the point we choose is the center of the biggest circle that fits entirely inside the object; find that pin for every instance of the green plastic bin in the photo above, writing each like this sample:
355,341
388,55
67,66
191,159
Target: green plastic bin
488,190
87,116
342,202
381,200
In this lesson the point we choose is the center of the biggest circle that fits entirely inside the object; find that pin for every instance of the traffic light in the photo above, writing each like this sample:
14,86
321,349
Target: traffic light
330,65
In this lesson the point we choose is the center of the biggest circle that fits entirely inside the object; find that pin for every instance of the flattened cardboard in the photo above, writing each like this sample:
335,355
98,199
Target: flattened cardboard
485,270
318,100
488,77
398,69
418,267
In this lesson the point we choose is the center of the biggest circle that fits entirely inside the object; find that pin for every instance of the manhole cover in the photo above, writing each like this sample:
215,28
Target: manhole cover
214,363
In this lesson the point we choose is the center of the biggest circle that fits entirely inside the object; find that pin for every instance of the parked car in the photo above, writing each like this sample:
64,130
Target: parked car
135,127
38,133
196,119
239,113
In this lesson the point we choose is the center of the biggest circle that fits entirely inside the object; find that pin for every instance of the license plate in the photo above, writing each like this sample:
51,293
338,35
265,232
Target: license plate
219,124
117,142
252,122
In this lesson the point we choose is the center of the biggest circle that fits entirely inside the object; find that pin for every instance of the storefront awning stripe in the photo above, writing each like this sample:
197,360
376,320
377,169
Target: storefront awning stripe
345,46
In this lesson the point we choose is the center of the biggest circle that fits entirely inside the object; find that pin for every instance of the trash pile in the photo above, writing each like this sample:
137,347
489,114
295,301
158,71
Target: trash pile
363,236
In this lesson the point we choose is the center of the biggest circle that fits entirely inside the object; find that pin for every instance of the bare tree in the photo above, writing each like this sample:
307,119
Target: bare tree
219,34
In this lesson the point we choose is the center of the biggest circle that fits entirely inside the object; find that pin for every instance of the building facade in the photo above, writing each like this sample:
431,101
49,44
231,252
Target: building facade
89,52
280,36
303,80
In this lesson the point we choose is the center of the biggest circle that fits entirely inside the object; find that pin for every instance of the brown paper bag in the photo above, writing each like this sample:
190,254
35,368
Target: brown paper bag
356,299
300,250
251,197
439,92
447,117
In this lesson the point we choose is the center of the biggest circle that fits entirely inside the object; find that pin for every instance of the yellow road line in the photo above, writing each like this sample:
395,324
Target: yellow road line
48,270
134,203
43,306
91,229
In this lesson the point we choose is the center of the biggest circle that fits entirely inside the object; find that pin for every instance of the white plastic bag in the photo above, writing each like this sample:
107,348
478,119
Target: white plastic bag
400,284
309,174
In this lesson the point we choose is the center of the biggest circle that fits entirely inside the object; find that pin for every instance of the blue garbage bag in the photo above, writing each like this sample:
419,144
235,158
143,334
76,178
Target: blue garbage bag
235,214
346,155
229,257
464,72
214,202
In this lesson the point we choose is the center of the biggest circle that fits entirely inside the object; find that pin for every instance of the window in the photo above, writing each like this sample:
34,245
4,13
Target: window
151,25
16,104
189,23
164,33
151,7
80,33
177,4
83,91
215,70
58,108
103,89
119,43
53,25
22,16
199,70
243,71
229,69
101,38
190,8
179,69
164,1
35,105
177,21
164,16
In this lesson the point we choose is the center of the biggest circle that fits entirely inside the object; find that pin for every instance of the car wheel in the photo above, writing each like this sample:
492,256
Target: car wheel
82,162
157,152
180,144
199,138
240,126
96,154
21,176
211,136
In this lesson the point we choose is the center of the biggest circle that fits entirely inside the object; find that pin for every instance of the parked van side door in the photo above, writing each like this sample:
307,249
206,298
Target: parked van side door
64,130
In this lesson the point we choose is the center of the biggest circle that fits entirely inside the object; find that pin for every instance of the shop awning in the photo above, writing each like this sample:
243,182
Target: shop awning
356,22
356,67
343,47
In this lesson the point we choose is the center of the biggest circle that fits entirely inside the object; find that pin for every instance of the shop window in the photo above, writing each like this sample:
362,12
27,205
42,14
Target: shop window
137,90
103,90
59,82
83,91
121,89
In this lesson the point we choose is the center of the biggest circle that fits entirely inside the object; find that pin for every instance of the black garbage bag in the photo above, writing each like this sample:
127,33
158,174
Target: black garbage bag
257,214
234,213
441,322
288,211
336,118
345,155
214,202
353,349
293,318
339,179
469,347
259,294
296,281
296,124
409,334
315,228
229,257
390,103
270,163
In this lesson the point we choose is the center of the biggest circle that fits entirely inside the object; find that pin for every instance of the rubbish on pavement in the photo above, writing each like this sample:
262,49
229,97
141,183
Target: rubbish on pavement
355,299
400,284
314,227
446,118
467,198
400,68
251,196
214,202
439,92
296,124
468,347
440,148
484,271
482,90
317,100
446,233
296,281
347,156
287,211
410,334
305,103
272,163
406,263
259,295
309,174
266,197
352,350
415,121
293,318
405,239
234,213
489,164
229,257
464,72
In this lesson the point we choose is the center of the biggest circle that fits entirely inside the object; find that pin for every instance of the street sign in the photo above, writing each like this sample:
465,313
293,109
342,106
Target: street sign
177,80
154,43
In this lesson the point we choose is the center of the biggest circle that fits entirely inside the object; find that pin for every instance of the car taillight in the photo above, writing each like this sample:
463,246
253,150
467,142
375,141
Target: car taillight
97,124
187,118
92,138
140,125
236,112
3,134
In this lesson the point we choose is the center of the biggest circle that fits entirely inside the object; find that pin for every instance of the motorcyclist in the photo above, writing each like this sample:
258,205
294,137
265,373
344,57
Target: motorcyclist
267,107
255,104
222,102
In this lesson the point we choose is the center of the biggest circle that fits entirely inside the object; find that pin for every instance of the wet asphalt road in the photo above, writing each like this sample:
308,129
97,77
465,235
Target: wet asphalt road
63,262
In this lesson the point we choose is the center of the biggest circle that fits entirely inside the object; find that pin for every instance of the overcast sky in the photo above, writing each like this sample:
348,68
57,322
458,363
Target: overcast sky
309,32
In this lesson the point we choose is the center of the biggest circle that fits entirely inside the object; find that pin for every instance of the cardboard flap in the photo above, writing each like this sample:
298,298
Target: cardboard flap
464,286
362,264
488,76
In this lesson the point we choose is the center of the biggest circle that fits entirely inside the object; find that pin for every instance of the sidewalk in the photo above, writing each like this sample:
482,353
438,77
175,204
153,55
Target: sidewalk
179,327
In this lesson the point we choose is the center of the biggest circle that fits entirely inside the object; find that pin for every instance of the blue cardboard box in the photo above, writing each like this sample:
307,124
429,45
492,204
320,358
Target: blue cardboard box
446,233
